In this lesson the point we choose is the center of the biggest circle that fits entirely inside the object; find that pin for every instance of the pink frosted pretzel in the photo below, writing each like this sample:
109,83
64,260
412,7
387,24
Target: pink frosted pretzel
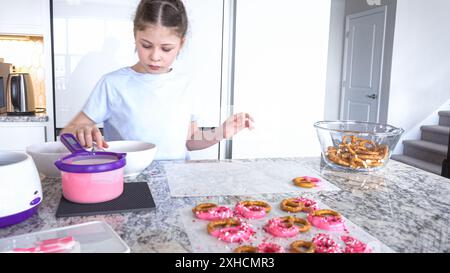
270,248
353,245
230,230
298,204
326,219
306,181
287,226
252,209
325,244
210,211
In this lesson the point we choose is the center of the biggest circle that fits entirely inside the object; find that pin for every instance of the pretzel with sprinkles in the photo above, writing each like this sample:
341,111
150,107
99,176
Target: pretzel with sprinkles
298,204
287,226
230,230
326,219
306,181
252,209
210,211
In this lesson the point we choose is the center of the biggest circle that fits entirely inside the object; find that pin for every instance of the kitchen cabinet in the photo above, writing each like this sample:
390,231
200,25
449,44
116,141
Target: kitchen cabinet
31,18
17,136
24,17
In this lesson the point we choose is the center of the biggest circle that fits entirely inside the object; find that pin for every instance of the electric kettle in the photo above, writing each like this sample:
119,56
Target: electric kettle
19,94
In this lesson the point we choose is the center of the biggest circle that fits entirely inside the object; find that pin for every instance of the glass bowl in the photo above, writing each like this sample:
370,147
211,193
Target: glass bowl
356,145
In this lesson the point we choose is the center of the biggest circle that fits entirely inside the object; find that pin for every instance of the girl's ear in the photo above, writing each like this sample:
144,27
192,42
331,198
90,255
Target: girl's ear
182,42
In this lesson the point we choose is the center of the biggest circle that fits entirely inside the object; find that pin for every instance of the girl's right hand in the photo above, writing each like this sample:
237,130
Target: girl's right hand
88,135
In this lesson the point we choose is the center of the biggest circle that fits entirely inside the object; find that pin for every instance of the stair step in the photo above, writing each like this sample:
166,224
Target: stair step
425,150
426,166
436,134
444,118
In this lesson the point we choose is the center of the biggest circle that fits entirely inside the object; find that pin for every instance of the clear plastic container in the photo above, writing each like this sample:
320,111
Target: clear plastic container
90,237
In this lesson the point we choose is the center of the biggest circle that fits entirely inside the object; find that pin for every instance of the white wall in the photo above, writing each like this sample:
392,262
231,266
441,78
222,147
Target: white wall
420,81
335,58
281,63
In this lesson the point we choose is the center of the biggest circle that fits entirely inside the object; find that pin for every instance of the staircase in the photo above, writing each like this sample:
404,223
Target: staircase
428,152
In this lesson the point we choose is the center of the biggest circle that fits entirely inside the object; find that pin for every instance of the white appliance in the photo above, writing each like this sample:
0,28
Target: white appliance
20,188
92,38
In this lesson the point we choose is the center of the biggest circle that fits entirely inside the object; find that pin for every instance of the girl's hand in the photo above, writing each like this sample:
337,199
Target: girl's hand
87,134
236,123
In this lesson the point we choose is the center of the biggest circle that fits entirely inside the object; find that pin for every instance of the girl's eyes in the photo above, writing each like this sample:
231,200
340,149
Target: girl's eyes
164,49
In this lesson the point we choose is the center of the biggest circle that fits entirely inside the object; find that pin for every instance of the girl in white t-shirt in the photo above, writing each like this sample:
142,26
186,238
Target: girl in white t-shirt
150,101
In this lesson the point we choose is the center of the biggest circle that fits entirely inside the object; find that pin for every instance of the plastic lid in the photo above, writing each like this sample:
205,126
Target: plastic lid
91,162
82,161
90,237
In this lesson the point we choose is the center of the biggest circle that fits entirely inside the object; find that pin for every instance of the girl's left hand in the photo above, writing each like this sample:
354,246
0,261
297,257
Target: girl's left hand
236,123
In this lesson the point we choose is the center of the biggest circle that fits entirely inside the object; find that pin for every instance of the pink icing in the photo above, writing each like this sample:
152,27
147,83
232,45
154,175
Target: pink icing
250,212
236,234
308,203
325,244
330,223
277,228
216,213
270,248
312,179
50,246
353,245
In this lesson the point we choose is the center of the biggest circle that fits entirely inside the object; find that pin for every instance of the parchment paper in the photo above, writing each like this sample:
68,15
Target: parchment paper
239,178
201,241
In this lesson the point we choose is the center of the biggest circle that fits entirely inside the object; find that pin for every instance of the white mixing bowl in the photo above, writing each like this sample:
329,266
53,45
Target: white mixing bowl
140,154
45,155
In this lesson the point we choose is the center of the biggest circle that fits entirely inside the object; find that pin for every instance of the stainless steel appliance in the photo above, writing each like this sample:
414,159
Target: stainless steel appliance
2,96
20,95
5,69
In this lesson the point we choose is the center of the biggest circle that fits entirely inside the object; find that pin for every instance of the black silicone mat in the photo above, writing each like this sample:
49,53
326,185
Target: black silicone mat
136,196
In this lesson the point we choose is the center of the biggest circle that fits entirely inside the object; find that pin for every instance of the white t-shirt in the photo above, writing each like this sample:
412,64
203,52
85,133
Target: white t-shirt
155,108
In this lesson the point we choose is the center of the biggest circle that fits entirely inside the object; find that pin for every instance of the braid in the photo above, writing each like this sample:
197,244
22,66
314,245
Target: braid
168,13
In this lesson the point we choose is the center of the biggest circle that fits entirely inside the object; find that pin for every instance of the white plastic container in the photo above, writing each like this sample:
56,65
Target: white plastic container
91,237
20,188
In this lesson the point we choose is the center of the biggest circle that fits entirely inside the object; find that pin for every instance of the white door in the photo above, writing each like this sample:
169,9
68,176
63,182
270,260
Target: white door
363,61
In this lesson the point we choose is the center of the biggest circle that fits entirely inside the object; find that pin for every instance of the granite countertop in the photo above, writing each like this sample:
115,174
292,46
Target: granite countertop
404,207
40,117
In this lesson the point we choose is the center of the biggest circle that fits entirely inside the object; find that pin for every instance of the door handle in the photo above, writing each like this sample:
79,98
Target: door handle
372,96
